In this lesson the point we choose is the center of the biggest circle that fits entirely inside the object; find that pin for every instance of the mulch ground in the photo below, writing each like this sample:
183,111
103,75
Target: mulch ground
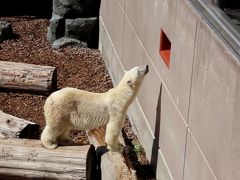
81,68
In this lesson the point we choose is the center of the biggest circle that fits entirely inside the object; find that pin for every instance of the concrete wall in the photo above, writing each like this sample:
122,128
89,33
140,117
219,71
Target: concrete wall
187,116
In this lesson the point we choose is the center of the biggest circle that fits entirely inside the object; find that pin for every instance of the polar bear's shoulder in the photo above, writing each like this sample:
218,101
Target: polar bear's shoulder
69,93
65,93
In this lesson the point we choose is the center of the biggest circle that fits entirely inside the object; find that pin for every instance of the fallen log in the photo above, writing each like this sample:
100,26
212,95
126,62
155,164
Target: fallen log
25,158
14,127
28,77
112,165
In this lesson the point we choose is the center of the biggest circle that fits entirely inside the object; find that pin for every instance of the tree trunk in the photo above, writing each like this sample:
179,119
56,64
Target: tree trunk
27,159
113,166
14,127
28,77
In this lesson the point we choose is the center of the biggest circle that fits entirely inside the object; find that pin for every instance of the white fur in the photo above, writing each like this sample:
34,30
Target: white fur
71,108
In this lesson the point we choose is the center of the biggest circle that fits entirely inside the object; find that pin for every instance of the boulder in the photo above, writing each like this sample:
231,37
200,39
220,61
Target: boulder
76,8
63,42
6,31
81,29
56,28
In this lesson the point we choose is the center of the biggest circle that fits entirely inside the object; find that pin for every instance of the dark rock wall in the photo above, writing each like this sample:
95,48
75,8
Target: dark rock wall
40,8
75,19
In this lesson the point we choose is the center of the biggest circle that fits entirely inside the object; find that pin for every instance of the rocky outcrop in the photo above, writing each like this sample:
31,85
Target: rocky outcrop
81,28
56,28
75,19
76,8
62,42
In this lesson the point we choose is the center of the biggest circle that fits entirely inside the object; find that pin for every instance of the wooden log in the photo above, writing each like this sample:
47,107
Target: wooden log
25,158
14,127
113,165
28,77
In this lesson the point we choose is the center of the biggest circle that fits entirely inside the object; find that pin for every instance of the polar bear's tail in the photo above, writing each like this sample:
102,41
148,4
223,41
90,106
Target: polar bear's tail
46,139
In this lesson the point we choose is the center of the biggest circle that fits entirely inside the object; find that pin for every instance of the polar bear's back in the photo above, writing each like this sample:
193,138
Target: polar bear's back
84,110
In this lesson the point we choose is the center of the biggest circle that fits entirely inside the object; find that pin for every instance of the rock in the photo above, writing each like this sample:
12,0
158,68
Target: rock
62,42
81,29
6,31
56,28
76,8
76,19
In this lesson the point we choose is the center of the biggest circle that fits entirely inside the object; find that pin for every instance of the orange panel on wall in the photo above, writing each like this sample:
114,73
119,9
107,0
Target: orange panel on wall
165,48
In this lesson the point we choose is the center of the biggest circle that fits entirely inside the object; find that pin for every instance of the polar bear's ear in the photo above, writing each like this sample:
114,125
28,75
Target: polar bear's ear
130,83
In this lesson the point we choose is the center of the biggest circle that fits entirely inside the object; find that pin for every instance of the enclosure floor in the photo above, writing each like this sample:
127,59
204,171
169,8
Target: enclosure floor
81,68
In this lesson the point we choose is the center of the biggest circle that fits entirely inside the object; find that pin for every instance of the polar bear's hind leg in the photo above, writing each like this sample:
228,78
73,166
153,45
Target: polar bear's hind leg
49,138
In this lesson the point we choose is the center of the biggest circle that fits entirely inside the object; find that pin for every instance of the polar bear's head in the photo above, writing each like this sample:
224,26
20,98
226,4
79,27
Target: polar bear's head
128,87
134,77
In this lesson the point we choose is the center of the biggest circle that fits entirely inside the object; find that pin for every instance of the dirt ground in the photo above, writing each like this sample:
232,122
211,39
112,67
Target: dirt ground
82,68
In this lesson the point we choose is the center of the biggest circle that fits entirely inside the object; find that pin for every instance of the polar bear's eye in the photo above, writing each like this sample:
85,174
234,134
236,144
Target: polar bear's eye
129,82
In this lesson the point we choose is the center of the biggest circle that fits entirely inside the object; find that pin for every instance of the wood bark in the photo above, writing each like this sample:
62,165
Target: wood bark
25,158
14,127
113,165
28,77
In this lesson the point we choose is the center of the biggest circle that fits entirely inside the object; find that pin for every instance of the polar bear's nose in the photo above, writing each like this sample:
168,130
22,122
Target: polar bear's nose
142,70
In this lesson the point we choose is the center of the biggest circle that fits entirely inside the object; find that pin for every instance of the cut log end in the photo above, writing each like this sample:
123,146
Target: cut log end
91,163
53,81
14,127
31,131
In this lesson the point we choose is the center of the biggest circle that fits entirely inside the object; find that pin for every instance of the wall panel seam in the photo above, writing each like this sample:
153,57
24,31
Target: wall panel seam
190,95
199,149
185,151
124,19
165,163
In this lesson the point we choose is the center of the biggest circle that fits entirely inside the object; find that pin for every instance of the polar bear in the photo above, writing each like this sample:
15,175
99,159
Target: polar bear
71,108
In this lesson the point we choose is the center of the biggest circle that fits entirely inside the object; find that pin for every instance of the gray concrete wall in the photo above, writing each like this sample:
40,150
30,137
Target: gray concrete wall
187,116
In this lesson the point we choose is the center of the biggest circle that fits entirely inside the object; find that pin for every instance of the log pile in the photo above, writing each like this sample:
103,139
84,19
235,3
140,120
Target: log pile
25,158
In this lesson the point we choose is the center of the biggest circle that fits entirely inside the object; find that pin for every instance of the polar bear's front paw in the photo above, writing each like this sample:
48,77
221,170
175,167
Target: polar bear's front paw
49,145
113,148
117,148
121,148
66,142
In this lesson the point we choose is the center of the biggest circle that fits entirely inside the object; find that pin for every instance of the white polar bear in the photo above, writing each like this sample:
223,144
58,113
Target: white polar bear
71,108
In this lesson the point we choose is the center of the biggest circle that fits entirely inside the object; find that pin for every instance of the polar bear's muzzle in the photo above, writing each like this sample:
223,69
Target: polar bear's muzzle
143,70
